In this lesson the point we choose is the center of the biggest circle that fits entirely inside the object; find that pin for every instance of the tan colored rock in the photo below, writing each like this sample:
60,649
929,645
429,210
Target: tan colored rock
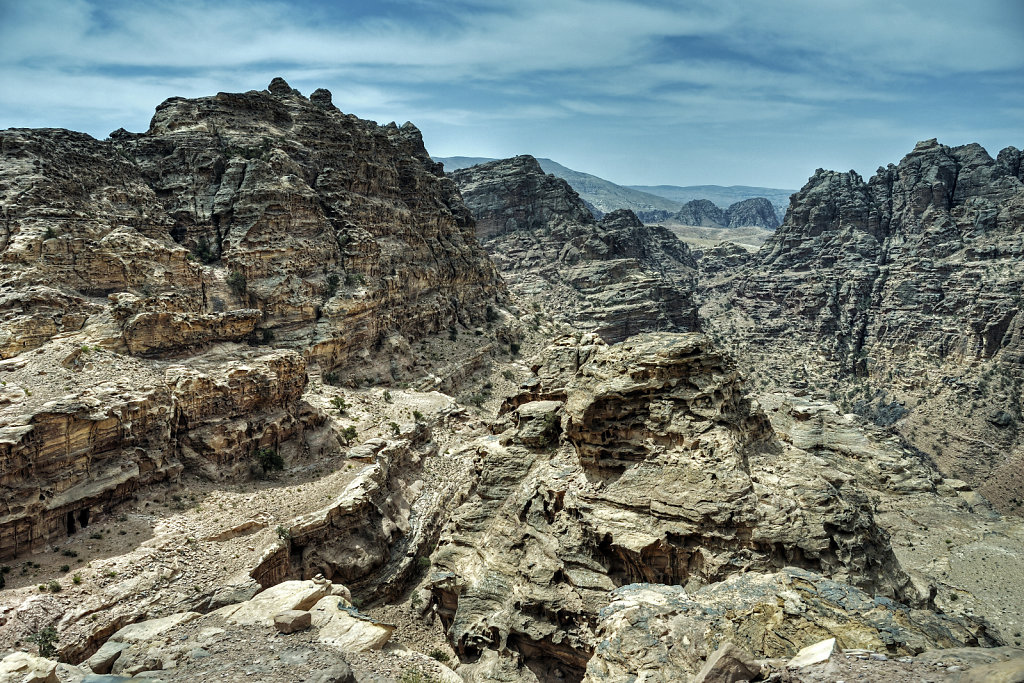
288,595
153,628
813,654
1011,671
103,660
292,620
728,664
615,277
22,667
345,627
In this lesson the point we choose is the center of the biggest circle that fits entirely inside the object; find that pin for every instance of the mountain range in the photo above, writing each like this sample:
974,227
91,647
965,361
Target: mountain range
651,203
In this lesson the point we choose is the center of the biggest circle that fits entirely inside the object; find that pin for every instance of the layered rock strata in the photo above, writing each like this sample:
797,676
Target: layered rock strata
901,296
79,438
638,462
614,276
234,212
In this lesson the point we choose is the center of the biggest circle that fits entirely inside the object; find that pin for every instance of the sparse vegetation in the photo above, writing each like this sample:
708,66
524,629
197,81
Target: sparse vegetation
269,460
237,283
46,640
332,285
349,434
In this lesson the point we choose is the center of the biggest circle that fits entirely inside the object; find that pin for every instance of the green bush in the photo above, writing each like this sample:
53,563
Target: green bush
349,434
332,284
269,460
237,283
46,640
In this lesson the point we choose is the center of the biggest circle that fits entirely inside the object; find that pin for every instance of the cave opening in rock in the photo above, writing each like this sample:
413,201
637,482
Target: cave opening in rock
83,518
70,521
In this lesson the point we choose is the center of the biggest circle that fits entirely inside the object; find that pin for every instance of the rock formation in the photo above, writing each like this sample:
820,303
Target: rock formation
643,462
262,216
756,211
901,297
240,211
614,276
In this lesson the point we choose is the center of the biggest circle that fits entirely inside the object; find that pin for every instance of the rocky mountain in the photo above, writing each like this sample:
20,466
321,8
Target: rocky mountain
603,196
755,212
269,411
722,196
899,297
235,218
614,276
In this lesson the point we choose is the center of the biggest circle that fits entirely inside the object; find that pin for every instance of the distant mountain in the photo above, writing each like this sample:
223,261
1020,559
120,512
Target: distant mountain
651,203
600,196
721,196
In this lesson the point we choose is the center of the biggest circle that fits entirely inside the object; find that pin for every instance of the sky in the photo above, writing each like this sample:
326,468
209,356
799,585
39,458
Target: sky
636,91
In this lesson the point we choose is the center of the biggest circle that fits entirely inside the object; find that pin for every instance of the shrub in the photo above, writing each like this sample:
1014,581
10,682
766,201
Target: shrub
395,429
46,640
54,587
332,284
491,314
508,374
439,655
269,459
284,533
417,415
49,234
513,348
349,434
237,283
65,567
76,579
204,252
339,403
387,396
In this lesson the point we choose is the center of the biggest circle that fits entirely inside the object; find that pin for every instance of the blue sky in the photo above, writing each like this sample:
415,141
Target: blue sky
639,92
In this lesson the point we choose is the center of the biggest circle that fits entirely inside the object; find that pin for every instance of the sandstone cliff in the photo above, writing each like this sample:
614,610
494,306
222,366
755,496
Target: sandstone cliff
614,276
644,462
901,297
264,217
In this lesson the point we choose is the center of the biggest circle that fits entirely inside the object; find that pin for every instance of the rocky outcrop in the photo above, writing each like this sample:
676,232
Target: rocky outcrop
262,217
664,633
656,468
903,291
232,212
67,456
701,212
614,276
756,211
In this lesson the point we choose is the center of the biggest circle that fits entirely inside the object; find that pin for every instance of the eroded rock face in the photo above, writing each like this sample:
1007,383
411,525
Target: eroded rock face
658,633
665,473
259,209
756,211
77,440
262,217
908,281
614,276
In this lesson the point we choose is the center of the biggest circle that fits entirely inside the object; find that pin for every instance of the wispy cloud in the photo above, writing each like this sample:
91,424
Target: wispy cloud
595,81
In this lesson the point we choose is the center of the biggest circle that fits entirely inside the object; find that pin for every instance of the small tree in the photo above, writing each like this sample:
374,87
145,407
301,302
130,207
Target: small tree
237,283
269,460
332,284
46,640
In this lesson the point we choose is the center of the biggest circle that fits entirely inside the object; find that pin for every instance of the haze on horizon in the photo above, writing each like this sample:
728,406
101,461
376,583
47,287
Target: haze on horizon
638,92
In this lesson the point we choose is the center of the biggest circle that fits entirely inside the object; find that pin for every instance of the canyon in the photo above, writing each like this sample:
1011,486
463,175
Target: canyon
281,400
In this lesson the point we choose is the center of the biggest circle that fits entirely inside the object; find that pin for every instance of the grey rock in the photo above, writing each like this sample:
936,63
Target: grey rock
339,673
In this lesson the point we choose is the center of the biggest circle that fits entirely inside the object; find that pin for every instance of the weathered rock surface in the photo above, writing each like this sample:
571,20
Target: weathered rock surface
96,429
665,473
277,193
257,217
614,276
756,211
664,633
901,296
